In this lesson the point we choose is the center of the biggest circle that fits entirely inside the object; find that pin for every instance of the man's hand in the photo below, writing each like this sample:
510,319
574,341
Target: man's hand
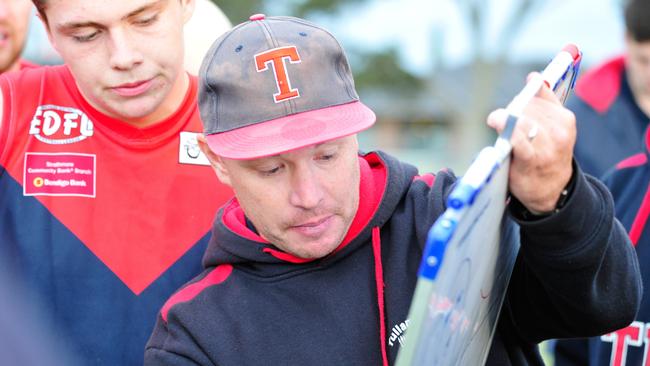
541,166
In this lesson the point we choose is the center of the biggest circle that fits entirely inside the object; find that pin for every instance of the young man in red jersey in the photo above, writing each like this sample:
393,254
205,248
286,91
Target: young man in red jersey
106,201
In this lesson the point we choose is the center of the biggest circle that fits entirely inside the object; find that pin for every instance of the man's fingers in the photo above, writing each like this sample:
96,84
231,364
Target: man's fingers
547,94
497,119
526,132
545,91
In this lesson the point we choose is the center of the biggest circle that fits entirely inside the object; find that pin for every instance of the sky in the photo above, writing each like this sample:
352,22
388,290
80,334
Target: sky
422,28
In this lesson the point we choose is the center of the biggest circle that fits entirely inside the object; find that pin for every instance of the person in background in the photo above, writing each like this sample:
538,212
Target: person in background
612,100
206,21
14,26
612,107
315,261
629,183
105,198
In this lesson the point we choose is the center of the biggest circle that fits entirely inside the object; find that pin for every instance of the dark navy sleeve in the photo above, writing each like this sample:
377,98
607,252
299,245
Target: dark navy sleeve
171,345
577,274
427,210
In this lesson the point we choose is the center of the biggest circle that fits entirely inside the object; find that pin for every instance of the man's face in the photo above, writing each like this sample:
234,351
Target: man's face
14,24
126,55
302,201
638,66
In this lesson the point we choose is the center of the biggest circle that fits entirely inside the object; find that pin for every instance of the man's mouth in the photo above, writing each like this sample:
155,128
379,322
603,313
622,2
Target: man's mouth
133,89
314,227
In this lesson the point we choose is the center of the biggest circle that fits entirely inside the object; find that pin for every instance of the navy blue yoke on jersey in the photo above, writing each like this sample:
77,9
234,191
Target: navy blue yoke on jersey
255,304
90,302
609,121
629,183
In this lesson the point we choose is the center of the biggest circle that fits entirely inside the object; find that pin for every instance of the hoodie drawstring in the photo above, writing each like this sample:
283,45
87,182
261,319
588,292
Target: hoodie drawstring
379,280
641,218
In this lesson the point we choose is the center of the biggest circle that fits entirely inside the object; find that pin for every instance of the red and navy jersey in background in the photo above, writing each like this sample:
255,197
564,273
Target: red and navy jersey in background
629,182
102,220
609,121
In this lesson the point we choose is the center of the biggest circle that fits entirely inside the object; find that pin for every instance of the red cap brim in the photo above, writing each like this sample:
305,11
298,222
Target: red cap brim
292,132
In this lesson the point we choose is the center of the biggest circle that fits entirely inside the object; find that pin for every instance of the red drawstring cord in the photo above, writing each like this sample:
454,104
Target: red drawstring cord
379,280
641,218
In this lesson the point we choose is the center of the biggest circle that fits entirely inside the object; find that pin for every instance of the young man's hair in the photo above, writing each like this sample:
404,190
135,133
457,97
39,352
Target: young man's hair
40,6
637,19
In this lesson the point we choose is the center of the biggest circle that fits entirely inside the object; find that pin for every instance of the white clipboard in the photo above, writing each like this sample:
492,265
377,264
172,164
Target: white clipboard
472,247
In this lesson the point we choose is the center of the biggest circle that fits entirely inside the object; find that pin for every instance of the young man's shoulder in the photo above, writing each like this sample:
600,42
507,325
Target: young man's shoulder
600,86
31,77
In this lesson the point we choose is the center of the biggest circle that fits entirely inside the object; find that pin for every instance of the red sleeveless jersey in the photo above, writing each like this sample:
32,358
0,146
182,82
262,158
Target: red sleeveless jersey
130,203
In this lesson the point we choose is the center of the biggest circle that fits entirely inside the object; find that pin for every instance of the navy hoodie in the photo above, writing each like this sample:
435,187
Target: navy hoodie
609,121
256,305
629,183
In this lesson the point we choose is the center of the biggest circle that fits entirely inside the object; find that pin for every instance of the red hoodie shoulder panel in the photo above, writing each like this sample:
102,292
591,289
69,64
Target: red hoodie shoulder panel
215,277
600,86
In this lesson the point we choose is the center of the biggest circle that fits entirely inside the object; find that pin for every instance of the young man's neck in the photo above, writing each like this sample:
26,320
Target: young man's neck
13,67
641,95
168,106
643,100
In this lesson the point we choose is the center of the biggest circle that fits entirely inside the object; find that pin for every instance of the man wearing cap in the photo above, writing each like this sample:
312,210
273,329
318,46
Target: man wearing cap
315,261
105,200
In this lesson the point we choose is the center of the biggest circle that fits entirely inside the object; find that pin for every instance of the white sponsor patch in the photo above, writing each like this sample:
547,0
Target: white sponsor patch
188,150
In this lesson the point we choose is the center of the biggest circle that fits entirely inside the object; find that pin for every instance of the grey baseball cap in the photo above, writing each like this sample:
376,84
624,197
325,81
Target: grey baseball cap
276,84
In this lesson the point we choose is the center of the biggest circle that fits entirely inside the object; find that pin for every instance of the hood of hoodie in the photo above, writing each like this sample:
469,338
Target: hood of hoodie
383,181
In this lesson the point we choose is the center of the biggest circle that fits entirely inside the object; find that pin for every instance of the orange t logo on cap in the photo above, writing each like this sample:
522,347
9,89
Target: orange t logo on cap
277,57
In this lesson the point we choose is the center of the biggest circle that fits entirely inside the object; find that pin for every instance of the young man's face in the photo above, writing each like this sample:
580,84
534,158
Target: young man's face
638,66
126,55
14,24
302,201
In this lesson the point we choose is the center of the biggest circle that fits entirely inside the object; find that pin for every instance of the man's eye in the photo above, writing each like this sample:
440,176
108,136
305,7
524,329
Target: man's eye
86,37
326,157
271,171
146,21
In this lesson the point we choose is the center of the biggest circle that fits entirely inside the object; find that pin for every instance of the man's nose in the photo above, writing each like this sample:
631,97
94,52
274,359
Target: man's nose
124,53
306,188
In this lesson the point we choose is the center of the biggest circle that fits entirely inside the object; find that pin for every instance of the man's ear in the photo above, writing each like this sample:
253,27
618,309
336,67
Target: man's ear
214,159
188,9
